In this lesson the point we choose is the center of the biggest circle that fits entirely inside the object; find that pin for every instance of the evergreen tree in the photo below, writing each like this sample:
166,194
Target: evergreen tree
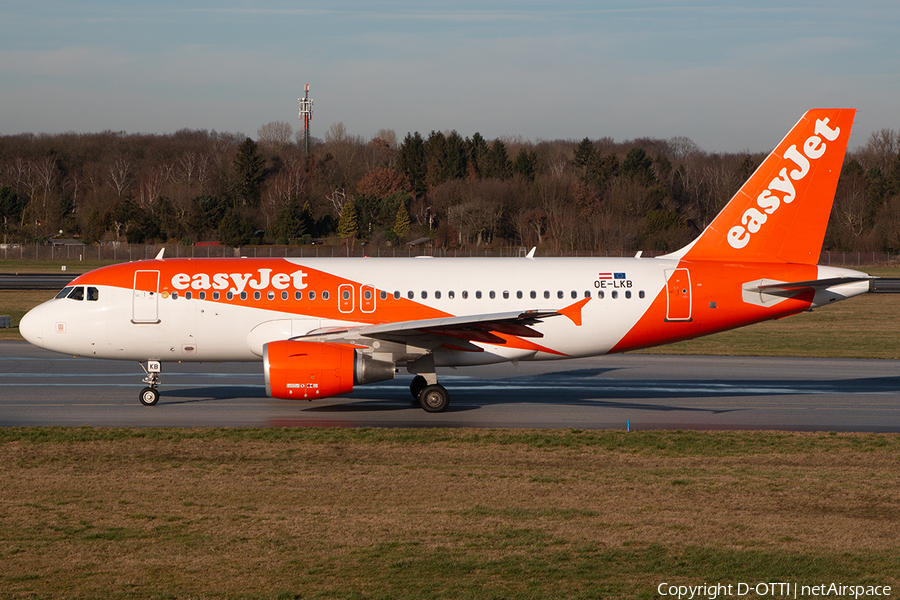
207,213
347,226
411,161
436,159
496,161
478,149
584,153
602,169
401,223
290,222
639,167
12,205
233,230
525,164
457,162
249,170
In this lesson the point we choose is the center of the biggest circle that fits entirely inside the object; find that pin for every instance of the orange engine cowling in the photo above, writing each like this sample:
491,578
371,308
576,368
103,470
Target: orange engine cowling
298,370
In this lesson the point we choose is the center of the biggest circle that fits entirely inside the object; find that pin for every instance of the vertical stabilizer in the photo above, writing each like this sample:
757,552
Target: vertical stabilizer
781,213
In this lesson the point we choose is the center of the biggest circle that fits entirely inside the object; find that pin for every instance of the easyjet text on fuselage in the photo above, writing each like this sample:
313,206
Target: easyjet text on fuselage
238,282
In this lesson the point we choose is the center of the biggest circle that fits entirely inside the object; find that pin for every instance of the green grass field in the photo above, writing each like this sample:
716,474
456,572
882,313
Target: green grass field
366,513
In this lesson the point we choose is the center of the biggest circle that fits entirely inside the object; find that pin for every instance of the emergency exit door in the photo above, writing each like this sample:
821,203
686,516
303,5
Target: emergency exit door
678,295
145,301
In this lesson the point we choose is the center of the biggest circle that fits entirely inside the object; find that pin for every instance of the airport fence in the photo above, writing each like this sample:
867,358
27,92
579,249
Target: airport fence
118,252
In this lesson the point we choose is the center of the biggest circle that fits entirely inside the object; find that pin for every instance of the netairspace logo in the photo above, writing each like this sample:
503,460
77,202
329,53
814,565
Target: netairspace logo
772,590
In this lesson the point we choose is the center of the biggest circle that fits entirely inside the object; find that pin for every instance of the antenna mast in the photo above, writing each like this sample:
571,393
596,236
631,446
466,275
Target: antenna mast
306,110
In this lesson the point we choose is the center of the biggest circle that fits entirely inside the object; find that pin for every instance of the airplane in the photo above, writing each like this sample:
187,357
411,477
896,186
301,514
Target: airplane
322,326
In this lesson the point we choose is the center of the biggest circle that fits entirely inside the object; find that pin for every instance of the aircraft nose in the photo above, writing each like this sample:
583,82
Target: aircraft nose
30,327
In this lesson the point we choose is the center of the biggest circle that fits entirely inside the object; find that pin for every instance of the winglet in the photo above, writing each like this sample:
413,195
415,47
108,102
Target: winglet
160,255
531,253
573,311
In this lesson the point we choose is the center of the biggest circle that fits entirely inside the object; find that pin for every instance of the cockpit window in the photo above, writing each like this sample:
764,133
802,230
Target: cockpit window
64,292
77,293
93,294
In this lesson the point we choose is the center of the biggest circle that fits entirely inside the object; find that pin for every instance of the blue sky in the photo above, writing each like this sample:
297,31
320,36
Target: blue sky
729,76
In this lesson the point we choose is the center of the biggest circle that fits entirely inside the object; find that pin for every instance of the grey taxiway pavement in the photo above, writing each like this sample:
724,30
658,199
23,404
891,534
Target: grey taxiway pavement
642,391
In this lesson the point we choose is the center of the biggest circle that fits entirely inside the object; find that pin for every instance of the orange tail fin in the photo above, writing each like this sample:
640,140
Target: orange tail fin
781,213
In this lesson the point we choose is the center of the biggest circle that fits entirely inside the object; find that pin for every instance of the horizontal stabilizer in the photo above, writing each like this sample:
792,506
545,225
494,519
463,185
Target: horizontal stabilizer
795,287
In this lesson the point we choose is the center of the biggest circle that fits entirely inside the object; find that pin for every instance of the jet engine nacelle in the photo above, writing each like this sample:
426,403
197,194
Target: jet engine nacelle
298,370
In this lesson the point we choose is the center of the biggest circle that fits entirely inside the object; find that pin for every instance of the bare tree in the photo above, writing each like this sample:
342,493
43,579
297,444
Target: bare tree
120,176
881,149
275,136
336,134
681,147
388,136
337,198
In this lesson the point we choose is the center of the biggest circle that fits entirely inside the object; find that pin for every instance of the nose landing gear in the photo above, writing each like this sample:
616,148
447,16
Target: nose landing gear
150,395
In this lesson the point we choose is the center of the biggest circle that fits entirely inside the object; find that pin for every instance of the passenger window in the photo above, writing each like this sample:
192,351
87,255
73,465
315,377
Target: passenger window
587,293
311,295
492,294
410,294
383,295
559,294
615,295
93,294
641,294
187,295
546,294
270,295
600,294
628,293
229,296
574,294
366,295
174,295
77,293
244,295
325,295
284,295
64,292
215,295
345,294
202,295
533,294
519,294
256,295
465,294
298,295
424,295
451,294
437,295
478,295
397,295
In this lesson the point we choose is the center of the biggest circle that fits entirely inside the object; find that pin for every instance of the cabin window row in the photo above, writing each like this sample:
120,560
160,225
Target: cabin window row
397,295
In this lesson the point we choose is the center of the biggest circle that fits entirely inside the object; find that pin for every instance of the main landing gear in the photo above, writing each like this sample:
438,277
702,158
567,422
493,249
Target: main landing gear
431,395
150,395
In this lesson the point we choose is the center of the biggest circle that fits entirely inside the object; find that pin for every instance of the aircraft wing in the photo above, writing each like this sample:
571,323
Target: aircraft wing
434,332
476,326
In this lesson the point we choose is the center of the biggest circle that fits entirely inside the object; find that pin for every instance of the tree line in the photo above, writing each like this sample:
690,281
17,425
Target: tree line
457,192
